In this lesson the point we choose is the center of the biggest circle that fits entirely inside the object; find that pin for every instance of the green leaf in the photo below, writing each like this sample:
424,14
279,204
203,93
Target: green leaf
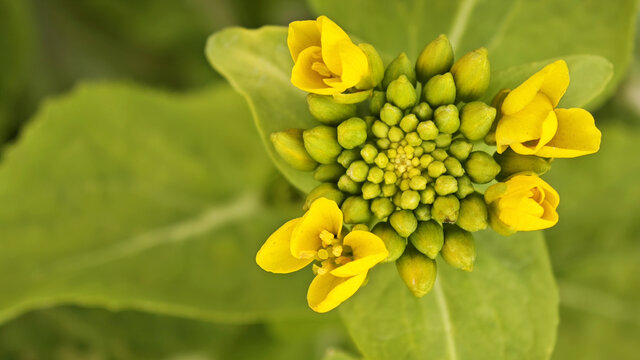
258,65
507,308
589,77
515,32
123,197
594,246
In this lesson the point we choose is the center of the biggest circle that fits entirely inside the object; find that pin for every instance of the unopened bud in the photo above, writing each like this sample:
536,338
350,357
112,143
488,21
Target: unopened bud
390,114
422,212
395,134
445,209
427,130
472,73
460,149
370,190
378,99
376,68
380,129
352,133
458,250
453,166
428,238
356,210
476,120
443,140
447,119
473,213
511,163
436,58
409,123
465,187
445,185
439,154
325,190
382,207
410,199
290,146
417,271
423,111
435,169
394,243
321,142
414,140
404,222
481,167
440,90
418,183
376,175
428,195
399,66
358,171
347,185
381,160
327,111
328,172
346,157
401,93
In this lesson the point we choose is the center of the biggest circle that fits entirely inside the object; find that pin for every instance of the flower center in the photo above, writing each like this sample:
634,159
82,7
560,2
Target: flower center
332,254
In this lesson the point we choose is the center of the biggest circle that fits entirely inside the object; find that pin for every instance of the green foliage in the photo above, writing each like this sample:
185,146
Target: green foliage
505,309
120,196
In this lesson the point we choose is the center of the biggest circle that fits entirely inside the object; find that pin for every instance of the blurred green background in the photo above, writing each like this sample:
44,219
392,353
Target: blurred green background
75,76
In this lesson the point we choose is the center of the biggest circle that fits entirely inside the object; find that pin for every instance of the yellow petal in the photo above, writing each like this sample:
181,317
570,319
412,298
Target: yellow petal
552,80
323,214
275,255
556,82
331,36
529,129
326,292
495,192
302,34
305,78
368,250
525,222
577,135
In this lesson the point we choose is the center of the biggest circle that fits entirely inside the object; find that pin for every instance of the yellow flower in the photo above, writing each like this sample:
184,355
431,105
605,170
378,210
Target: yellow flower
532,125
524,202
326,61
344,262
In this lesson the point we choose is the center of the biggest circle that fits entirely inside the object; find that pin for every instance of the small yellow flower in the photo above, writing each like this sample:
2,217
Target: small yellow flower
343,263
532,125
326,61
524,202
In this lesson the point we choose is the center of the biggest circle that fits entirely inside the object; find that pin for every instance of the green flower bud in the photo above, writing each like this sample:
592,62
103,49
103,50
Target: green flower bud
376,68
428,195
395,134
290,146
401,93
390,114
445,185
423,111
511,163
435,169
481,167
390,177
321,142
378,99
417,271
428,238
425,160
458,250
428,130
422,212
443,140
394,243
440,90
447,119
328,172
346,157
352,133
399,66
389,190
360,227
410,200
472,73
465,187
356,210
476,120
327,111
445,209
453,166
370,190
404,222
460,149
409,123
380,129
382,207
383,143
473,213
381,160
436,58
325,190
428,146
358,171
414,140
369,153
376,175
347,185
439,154
418,183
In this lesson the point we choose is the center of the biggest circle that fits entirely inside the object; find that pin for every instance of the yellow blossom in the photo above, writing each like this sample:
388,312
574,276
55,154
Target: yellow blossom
343,262
524,202
532,125
326,61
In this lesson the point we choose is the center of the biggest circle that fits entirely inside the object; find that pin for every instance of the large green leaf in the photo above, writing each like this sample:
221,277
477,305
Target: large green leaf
595,247
515,31
120,196
258,65
507,308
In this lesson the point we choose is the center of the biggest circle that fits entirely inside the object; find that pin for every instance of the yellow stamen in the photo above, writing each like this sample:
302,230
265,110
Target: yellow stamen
326,238
323,254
